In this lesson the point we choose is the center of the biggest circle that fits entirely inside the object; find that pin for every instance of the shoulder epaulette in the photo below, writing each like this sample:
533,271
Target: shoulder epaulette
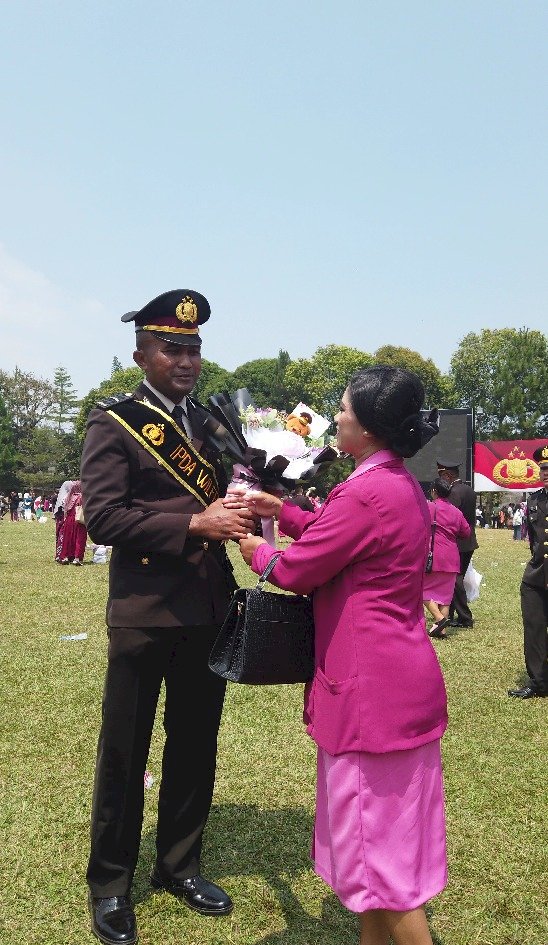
107,402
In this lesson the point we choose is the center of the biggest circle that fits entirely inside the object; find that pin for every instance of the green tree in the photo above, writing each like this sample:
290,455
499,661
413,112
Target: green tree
122,382
116,366
8,453
265,380
320,381
66,402
28,400
331,475
212,379
503,373
49,458
68,457
437,387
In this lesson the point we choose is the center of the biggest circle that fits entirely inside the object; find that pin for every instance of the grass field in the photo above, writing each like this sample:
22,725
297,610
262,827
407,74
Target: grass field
259,831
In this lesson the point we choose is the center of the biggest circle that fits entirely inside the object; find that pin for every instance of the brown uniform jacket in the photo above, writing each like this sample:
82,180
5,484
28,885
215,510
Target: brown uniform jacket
159,577
463,497
536,570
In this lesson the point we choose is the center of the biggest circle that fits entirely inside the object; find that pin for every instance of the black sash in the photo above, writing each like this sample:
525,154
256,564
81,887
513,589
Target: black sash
160,436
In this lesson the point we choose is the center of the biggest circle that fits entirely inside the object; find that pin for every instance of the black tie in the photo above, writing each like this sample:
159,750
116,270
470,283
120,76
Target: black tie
179,416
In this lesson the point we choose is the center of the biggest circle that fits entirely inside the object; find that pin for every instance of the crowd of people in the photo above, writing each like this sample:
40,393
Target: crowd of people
153,488
512,515
65,508
26,506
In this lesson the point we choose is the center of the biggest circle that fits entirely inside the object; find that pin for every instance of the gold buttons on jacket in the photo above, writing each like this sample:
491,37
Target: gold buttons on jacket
144,561
206,545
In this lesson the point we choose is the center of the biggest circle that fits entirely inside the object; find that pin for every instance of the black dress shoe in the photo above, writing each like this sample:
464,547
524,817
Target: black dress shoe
526,692
459,623
113,920
198,893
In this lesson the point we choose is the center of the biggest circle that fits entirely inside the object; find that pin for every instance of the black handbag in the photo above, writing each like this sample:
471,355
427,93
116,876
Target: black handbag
430,558
266,638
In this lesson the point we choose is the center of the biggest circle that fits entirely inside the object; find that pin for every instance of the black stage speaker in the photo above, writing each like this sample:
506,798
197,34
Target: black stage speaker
455,441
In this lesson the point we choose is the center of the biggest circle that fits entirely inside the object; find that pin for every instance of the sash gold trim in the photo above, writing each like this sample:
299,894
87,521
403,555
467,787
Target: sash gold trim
184,456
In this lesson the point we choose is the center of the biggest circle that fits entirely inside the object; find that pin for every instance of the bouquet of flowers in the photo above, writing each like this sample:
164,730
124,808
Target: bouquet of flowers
267,452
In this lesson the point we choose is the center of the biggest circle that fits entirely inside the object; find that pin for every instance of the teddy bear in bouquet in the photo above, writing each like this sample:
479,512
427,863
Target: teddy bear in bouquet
299,423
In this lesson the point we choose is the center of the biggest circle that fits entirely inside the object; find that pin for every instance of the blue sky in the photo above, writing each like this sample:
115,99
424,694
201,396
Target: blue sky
360,173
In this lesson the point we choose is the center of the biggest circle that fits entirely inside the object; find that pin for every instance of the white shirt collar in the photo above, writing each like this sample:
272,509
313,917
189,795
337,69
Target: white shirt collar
168,404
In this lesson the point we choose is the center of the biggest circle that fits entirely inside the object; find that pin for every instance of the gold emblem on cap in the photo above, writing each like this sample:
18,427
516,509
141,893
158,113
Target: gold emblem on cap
187,310
544,453
154,433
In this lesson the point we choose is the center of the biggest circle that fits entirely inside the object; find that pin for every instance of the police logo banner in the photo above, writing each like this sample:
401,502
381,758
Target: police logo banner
506,465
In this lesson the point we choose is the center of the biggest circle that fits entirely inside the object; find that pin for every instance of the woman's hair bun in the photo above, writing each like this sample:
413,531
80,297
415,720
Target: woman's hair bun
406,440
413,433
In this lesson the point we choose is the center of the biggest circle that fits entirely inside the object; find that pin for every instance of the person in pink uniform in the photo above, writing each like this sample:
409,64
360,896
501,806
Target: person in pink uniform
439,585
376,706
73,542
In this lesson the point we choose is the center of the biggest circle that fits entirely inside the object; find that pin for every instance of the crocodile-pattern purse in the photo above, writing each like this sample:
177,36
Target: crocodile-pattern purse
266,638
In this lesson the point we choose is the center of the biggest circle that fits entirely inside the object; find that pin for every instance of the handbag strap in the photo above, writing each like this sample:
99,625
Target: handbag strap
433,532
266,573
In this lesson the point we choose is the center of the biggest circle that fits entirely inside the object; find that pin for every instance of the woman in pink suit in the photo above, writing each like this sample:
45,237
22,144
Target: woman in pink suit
376,706
448,524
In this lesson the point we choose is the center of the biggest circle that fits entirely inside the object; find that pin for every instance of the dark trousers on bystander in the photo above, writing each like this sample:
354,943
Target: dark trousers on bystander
459,604
534,609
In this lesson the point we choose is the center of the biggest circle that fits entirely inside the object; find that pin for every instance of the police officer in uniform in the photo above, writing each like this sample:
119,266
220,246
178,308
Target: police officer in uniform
534,588
464,498
152,482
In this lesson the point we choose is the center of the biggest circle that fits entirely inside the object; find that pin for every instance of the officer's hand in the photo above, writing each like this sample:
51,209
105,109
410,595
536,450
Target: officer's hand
220,523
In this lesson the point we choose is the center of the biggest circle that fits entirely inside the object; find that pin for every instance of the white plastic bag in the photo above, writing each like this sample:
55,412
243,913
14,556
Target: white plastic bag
472,582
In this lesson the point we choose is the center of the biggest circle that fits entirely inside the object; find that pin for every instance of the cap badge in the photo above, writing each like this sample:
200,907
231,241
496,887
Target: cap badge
187,310
154,433
544,453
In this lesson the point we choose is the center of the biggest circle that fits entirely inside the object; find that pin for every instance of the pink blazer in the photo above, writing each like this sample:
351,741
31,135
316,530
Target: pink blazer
450,525
377,685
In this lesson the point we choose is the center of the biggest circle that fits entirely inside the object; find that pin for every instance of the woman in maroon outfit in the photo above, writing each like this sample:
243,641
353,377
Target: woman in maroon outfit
73,544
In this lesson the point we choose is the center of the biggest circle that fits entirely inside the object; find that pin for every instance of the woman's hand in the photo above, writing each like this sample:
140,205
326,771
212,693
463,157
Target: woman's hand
248,545
235,497
263,504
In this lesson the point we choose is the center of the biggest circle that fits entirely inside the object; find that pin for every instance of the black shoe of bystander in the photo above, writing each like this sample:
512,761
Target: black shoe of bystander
527,692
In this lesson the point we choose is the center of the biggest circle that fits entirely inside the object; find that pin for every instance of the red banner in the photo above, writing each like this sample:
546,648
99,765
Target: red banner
505,465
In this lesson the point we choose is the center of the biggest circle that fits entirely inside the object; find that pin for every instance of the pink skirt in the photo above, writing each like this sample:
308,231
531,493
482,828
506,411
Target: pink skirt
439,586
379,833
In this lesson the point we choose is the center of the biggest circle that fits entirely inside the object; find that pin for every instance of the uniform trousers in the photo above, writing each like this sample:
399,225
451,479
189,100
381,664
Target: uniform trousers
534,609
138,660
459,602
